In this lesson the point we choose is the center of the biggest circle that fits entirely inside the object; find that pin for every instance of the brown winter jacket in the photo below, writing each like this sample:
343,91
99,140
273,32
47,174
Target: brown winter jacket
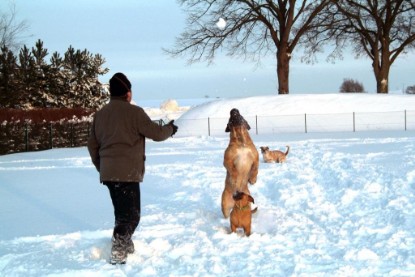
117,140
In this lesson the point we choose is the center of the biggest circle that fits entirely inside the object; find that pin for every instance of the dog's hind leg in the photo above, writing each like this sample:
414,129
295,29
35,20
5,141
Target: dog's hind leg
233,228
247,230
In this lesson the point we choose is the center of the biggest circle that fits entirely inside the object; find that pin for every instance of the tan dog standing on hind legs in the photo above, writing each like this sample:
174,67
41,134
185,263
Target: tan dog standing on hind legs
240,160
274,156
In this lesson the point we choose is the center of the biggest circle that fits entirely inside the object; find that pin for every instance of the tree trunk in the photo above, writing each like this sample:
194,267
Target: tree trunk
382,83
283,70
381,66
382,78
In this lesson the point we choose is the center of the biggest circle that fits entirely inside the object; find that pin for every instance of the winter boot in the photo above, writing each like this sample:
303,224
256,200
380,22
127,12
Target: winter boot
130,247
118,251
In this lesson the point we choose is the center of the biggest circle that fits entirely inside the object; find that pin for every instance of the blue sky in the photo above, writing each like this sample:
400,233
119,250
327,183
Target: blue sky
130,35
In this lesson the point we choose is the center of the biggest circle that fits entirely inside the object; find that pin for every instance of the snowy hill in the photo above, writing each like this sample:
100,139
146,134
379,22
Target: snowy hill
304,113
304,103
342,204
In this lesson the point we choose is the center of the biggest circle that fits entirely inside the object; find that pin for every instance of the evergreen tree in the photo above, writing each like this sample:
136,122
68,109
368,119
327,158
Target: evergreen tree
71,81
8,82
73,74
57,82
40,98
96,95
83,69
25,76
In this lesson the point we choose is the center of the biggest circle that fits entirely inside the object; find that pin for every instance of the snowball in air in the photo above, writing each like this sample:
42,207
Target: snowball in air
221,24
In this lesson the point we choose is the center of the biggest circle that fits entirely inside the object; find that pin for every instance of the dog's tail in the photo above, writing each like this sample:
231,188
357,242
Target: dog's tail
288,150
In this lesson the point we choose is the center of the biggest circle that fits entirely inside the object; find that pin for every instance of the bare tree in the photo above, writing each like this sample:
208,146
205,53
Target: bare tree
11,30
248,29
350,85
381,30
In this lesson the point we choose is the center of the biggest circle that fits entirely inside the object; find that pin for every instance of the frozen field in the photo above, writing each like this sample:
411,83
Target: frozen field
342,205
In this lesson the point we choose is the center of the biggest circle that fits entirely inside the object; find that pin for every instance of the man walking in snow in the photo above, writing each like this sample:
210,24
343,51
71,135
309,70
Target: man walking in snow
117,149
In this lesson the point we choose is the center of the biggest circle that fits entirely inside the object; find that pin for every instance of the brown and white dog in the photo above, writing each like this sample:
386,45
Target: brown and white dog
240,160
274,156
241,214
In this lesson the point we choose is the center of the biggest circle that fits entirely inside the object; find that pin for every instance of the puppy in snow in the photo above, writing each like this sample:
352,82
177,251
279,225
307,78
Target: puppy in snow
241,214
274,156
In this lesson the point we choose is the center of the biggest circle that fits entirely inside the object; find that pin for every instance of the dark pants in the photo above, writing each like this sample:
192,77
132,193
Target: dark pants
126,201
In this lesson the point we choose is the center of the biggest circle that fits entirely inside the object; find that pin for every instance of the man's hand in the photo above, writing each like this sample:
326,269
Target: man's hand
175,128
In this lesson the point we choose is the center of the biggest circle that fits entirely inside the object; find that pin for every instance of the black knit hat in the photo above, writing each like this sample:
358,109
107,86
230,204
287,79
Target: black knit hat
119,85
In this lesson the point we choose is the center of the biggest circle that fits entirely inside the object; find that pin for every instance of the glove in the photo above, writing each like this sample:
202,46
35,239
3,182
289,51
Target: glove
175,128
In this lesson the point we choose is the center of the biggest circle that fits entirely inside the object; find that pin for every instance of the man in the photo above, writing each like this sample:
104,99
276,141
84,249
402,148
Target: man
117,149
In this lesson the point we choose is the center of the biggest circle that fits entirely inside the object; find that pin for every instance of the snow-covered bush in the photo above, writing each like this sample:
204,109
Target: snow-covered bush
41,129
410,90
169,106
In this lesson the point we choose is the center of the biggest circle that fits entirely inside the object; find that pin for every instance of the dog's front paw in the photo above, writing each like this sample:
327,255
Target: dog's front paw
252,180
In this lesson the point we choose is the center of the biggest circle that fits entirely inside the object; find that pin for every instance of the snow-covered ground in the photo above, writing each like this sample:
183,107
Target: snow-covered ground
342,205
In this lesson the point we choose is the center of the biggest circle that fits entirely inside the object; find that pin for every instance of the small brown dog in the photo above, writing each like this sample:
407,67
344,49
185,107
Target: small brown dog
274,156
240,160
241,214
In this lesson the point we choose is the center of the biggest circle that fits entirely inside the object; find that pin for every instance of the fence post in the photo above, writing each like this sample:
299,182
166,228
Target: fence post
209,126
26,132
305,122
405,120
256,124
50,136
72,135
354,122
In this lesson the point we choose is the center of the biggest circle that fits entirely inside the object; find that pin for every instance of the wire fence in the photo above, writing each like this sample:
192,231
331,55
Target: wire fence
21,136
305,123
